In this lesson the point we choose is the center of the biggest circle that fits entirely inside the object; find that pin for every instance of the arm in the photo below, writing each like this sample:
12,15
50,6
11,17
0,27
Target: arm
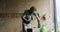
38,19
25,16
38,16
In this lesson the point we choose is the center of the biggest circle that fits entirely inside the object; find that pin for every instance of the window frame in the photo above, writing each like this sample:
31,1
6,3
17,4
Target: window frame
55,16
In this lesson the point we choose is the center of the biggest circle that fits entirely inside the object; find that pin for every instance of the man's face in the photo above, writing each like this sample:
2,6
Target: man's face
31,10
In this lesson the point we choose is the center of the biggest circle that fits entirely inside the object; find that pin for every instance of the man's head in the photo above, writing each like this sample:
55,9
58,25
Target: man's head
32,9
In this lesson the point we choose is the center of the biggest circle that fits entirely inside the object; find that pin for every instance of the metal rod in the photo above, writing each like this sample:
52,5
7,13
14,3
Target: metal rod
55,19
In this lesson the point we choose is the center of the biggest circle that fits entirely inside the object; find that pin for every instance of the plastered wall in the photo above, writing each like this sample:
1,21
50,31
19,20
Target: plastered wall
18,6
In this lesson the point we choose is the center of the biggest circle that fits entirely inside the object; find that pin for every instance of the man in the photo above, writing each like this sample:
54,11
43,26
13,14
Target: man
31,12
28,16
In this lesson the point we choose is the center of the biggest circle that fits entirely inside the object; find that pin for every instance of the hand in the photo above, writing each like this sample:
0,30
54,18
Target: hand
26,17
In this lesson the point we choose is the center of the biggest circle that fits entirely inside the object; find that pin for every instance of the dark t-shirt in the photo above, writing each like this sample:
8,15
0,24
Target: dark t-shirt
26,12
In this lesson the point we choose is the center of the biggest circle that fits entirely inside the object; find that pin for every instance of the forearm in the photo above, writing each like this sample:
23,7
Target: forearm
26,18
37,18
39,22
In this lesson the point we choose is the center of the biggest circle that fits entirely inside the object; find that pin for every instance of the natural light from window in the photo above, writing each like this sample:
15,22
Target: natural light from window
58,13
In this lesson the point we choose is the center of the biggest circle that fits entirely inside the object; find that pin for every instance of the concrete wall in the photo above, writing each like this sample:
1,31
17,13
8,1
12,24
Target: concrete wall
11,25
18,6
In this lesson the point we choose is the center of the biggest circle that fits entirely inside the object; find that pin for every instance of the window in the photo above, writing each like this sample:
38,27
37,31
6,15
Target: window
58,14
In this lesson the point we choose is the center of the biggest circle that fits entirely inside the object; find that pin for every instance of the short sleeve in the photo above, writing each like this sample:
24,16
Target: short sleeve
25,12
35,13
